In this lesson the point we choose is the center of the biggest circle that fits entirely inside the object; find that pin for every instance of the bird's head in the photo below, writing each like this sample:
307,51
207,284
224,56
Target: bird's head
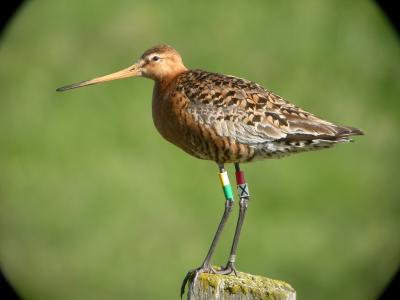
159,63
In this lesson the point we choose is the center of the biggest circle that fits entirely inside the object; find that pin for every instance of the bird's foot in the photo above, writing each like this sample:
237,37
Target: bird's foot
229,269
194,273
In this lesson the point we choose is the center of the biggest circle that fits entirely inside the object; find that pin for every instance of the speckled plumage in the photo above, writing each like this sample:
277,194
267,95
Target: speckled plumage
228,119
224,118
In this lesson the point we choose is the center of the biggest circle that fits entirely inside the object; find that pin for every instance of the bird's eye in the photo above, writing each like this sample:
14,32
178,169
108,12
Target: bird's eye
156,58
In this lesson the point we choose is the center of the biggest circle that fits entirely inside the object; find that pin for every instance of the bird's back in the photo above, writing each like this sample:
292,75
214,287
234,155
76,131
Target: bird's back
229,119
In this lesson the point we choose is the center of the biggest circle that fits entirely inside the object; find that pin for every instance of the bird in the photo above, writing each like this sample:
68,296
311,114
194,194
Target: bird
228,120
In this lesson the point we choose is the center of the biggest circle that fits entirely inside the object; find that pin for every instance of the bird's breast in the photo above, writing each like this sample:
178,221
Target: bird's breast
168,116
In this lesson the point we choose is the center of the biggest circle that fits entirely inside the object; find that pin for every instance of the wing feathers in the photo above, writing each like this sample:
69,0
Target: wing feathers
243,110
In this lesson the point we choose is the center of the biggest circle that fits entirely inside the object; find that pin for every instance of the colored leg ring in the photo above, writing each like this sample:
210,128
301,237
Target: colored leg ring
242,187
226,186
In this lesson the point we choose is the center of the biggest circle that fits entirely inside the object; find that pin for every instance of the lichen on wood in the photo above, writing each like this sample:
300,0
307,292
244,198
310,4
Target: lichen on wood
241,287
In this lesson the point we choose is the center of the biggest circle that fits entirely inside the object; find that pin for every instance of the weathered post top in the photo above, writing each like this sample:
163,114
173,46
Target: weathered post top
241,287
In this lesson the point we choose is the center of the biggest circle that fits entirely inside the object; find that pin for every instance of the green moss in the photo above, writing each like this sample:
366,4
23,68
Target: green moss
234,289
257,286
208,280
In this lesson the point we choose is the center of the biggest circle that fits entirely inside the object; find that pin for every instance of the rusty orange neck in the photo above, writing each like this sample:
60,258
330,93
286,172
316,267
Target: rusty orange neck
163,83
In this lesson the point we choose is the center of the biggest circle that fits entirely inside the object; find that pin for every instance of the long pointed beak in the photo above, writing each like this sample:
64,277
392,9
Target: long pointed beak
132,71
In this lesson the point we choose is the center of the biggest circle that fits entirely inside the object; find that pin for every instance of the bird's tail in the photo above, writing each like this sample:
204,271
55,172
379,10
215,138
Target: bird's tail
345,131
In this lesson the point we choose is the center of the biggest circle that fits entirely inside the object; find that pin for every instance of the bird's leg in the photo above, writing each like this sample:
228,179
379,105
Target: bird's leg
229,203
244,196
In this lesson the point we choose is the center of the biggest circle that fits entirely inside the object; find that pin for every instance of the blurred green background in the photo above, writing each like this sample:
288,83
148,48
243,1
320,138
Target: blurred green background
94,204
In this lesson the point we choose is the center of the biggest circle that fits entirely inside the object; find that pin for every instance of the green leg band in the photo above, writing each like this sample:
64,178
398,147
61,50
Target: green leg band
228,192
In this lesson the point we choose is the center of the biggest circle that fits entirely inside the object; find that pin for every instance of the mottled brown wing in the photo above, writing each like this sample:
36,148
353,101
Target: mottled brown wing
243,110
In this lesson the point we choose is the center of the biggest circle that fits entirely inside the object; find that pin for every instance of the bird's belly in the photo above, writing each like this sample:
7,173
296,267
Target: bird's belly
202,141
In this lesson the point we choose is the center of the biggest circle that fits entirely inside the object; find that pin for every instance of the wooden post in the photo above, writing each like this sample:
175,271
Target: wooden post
242,287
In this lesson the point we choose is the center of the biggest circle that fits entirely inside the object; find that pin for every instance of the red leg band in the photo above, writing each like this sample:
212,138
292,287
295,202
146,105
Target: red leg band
240,177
